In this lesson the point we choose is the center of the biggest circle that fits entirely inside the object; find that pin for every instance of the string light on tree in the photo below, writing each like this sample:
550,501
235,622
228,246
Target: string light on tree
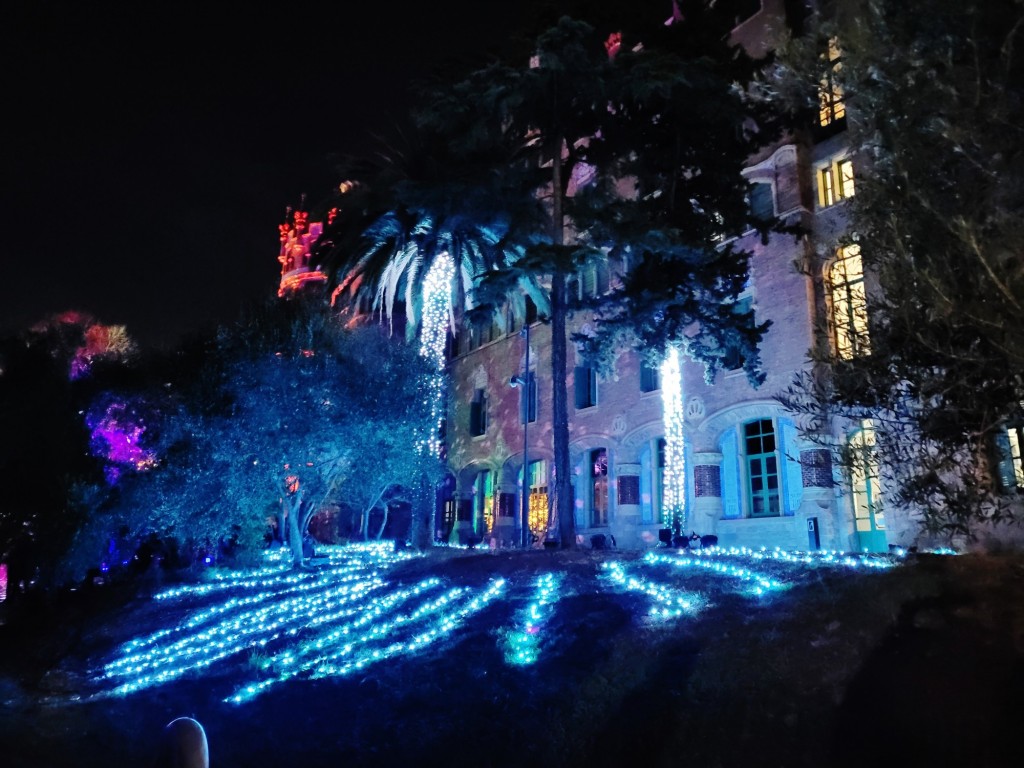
437,312
675,463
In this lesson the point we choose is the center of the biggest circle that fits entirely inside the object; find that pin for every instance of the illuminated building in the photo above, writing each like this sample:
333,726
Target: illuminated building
657,451
653,449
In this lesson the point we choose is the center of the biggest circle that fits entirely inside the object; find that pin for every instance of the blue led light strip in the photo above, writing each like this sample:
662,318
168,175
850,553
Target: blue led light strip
522,644
669,602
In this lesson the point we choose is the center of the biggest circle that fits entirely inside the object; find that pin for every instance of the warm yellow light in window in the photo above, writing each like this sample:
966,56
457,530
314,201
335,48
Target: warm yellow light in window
830,92
538,513
835,183
845,172
864,479
849,304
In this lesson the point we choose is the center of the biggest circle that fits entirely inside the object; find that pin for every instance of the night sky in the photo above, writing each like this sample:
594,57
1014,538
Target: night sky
150,149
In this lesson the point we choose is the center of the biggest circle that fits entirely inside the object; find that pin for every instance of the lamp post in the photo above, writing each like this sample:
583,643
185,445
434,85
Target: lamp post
524,381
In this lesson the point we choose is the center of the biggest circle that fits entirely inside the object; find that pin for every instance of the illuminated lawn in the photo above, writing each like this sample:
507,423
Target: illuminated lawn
374,657
347,613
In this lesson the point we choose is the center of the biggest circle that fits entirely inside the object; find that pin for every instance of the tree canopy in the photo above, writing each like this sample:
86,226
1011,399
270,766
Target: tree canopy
935,112
288,411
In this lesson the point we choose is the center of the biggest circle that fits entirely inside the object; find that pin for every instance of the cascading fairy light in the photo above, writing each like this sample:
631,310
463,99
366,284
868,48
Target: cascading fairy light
437,310
675,463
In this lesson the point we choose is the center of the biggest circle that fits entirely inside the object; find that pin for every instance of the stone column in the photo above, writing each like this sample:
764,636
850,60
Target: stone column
625,525
707,493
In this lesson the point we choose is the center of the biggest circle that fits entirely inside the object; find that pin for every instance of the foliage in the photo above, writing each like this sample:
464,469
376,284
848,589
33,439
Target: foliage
284,413
935,116
44,451
628,169
679,199
419,199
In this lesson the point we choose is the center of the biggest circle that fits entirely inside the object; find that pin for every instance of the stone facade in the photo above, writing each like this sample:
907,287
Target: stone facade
752,478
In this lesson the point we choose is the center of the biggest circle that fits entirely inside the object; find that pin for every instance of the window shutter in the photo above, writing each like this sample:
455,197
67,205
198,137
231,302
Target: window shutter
1007,477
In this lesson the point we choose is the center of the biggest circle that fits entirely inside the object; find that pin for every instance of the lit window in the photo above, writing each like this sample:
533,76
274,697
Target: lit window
483,502
478,413
835,183
832,106
763,468
538,507
849,304
586,387
864,481
599,487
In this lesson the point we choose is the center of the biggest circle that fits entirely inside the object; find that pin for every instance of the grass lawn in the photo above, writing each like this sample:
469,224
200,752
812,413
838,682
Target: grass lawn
462,657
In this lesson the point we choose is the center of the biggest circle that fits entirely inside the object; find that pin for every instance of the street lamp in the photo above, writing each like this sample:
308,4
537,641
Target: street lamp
524,381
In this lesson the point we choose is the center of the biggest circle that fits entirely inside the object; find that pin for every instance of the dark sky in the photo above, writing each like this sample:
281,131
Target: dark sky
150,149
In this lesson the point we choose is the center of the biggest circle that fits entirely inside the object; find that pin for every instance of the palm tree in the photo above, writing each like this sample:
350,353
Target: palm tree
552,111
418,233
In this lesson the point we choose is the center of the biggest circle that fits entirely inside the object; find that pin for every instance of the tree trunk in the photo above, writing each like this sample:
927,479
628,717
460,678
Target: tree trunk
383,522
294,530
561,498
422,522
561,501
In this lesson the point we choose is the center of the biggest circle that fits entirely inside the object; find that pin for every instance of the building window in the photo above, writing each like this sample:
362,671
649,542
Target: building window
538,508
599,487
832,106
515,322
528,400
734,358
761,200
483,502
650,377
835,183
762,468
849,304
867,512
478,413
586,387
1011,468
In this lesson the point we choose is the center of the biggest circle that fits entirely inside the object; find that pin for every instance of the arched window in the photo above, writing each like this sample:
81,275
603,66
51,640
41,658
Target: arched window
849,304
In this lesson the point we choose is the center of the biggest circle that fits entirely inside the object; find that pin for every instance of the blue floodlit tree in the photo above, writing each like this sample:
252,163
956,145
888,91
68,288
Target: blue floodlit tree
288,412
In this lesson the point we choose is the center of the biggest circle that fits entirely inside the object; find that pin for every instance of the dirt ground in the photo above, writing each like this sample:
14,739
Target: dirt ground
921,663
